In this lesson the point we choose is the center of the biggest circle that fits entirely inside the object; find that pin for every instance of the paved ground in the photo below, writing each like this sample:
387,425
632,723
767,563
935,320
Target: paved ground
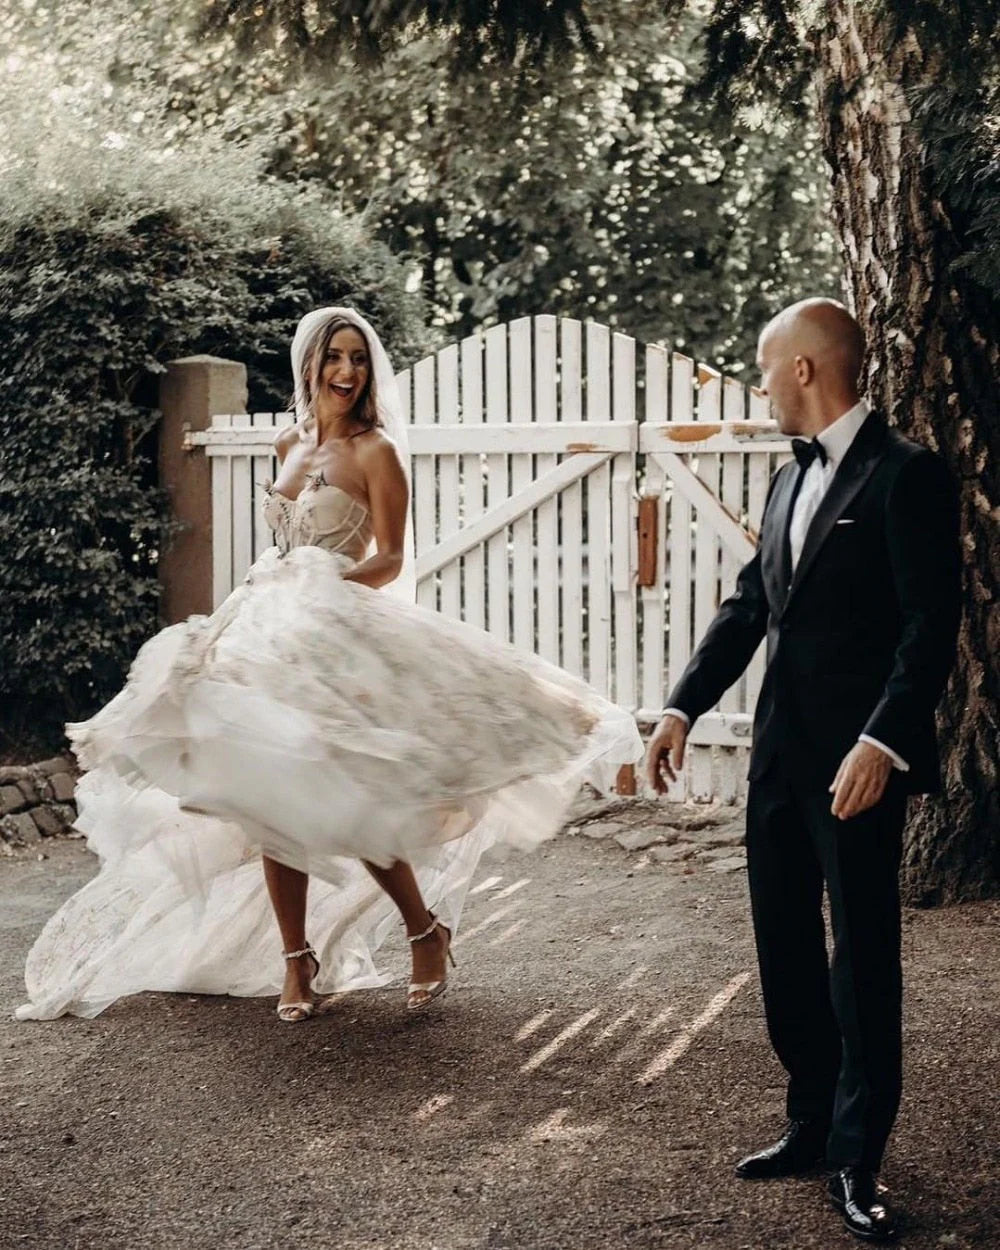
587,1083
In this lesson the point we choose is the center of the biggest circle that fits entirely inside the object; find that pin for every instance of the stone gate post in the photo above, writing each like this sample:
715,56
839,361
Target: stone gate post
192,391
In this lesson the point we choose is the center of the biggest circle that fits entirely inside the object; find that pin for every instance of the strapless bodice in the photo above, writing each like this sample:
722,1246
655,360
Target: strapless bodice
321,516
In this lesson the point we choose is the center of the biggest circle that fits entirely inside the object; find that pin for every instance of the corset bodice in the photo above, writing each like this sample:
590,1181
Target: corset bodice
321,516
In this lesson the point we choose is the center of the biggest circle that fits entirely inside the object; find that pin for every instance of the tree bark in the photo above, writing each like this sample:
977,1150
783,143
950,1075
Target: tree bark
932,366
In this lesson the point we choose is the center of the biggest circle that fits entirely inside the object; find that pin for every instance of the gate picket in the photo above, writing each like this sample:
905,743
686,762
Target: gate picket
424,483
652,656
571,504
449,503
624,536
728,760
547,410
497,581
597,523
521,475
473,482
680,575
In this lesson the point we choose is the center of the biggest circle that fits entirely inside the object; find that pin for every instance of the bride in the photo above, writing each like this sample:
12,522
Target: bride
322,728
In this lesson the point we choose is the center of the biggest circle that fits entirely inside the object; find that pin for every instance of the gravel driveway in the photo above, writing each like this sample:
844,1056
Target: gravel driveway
587,1083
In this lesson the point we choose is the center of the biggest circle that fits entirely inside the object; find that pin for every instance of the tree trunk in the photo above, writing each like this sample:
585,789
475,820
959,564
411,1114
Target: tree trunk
933,354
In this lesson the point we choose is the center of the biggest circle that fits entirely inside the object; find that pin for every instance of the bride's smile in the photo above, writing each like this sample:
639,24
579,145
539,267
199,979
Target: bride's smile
344,373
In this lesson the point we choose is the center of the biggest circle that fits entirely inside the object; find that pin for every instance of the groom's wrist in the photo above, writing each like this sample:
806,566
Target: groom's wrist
897,760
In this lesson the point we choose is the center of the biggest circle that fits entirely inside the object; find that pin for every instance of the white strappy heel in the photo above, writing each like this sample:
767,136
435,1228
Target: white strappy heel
423,993
292,1013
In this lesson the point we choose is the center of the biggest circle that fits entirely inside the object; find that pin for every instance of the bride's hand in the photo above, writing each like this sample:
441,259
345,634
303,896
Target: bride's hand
665,754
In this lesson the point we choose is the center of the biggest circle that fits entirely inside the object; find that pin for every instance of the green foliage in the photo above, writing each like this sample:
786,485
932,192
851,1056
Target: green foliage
763,50
754,52
535,30
758,52
116,255
962,133
765,44
767,49
592,187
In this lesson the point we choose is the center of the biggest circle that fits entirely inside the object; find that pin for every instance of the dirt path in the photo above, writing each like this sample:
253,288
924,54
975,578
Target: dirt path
586,1085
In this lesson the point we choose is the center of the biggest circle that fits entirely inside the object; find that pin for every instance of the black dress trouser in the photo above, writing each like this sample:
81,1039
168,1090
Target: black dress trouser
836,1026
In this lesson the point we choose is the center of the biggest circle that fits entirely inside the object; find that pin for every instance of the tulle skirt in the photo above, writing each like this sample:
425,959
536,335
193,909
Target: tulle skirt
323,724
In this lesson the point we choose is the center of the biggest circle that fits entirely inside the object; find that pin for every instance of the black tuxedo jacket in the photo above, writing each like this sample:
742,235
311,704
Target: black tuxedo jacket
862,638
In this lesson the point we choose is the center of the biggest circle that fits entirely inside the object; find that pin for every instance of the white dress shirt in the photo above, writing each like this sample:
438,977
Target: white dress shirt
836,439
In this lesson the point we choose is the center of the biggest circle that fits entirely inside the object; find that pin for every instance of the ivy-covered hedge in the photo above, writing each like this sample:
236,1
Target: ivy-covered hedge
107,272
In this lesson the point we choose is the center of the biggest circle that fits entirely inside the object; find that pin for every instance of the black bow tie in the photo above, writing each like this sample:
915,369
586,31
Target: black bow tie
808,450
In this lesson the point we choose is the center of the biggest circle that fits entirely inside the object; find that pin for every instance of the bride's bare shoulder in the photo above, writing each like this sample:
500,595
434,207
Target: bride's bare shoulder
284,440
381,462
377,447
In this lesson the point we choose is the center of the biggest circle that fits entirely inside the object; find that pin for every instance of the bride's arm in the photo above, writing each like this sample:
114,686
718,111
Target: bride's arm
388,499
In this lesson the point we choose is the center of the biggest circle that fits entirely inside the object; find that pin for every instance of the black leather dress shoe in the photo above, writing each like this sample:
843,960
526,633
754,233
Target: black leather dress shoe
801,1148
863,1202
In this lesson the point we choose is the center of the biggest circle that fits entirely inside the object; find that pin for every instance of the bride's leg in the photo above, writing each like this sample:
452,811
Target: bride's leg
429,954
288,889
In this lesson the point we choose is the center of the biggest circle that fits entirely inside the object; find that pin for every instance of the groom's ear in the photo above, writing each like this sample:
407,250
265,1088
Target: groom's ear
805,370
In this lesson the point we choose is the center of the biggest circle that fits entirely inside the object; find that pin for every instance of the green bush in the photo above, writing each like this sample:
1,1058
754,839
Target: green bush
116,257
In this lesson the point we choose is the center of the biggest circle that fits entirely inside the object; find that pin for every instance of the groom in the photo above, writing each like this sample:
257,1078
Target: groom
855,585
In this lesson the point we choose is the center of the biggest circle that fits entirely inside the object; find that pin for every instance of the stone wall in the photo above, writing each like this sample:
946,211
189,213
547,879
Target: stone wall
685,836
36,800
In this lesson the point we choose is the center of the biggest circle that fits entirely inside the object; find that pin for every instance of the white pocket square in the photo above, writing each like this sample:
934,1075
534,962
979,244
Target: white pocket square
847,520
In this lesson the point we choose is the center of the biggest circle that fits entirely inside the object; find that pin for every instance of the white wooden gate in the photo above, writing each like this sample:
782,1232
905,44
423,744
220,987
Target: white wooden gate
571,495
524,449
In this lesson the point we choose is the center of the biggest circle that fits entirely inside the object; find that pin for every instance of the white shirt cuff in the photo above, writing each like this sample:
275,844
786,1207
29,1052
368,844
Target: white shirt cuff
675,711
898,760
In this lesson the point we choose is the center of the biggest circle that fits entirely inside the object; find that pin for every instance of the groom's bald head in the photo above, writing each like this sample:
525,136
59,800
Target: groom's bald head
810,358
822,330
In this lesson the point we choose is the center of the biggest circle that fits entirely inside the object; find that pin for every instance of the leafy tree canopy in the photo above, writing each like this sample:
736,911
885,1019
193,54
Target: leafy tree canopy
595,185
588,188
508,29
756,50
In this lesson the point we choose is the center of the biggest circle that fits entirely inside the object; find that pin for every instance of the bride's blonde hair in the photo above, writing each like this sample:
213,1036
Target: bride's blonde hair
366,409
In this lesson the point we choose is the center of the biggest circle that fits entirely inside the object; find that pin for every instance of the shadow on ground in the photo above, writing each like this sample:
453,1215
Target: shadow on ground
596,1068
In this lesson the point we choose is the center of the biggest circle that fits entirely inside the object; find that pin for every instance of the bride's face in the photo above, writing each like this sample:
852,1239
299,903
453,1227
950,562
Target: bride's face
344,371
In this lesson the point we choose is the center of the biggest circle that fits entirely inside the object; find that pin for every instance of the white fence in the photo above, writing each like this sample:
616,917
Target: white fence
573,495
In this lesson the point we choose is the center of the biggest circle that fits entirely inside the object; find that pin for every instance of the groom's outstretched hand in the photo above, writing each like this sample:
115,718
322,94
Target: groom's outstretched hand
860,781
666,752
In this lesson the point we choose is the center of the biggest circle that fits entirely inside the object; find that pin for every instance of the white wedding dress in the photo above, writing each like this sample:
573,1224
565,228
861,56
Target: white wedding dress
321,722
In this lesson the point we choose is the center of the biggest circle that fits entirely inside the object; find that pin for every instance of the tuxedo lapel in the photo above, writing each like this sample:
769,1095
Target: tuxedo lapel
856,468
776,556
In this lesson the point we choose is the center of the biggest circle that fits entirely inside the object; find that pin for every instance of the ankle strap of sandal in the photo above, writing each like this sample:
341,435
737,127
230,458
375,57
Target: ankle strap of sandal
306,950
417,937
